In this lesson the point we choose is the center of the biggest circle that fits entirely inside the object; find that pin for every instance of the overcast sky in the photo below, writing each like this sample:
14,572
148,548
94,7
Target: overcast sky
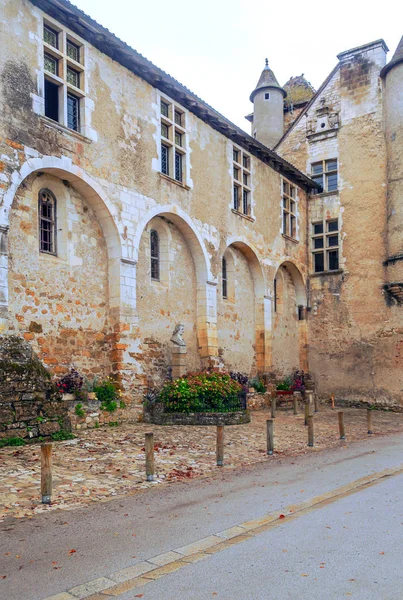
217,47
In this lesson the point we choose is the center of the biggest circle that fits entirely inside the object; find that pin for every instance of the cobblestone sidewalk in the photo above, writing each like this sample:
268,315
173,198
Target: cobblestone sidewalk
108,462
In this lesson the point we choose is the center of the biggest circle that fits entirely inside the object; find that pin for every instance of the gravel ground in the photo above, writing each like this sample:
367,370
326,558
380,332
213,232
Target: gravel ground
108,462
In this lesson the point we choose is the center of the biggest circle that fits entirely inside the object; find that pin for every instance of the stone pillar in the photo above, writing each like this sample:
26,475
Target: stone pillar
207,323
4,317
179,361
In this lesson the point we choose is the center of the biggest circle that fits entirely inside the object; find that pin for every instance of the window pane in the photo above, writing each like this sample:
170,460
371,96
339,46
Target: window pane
178,166
245,161
164,160
73,112
51,64
178,118
236,155
164,109
236,197
245,198
331,165
292,206
292,191
285,203
178,138
236,173
331,182
155,255
245,179
47,222
317,168
332,226
293,232
319,182
333,240
164,130
73,77
317,228
73,51
333,257
224,278
285,223
50,36
286,188
319,264
51,100
318,243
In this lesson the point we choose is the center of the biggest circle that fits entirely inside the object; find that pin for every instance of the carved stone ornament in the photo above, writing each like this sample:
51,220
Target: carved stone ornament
177,335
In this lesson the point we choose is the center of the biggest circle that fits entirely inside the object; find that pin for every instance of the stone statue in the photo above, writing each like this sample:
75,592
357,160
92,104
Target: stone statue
177,338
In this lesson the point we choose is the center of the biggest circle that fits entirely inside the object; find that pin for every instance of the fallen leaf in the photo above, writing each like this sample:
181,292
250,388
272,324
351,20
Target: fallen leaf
304,575
72,551
382,553
139,595
281,516
3,576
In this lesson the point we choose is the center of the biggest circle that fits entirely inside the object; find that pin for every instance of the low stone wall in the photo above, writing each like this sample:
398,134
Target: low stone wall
94,416
154,413
258,401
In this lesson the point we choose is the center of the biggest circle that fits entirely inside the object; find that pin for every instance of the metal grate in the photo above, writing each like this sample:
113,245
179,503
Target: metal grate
73,112
164,160
155,255
178,166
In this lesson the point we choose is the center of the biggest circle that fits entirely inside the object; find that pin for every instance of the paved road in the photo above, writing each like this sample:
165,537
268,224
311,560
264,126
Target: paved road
348,535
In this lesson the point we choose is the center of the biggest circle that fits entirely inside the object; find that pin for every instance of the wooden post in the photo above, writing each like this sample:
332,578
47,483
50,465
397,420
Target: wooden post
295,399
270,436
306,408
369,420
273,407
310,431
341,425
316,400
149,446
332,401
220,445
46,473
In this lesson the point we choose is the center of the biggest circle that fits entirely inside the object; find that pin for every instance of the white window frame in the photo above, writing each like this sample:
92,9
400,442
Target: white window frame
60,79
170,141
242,181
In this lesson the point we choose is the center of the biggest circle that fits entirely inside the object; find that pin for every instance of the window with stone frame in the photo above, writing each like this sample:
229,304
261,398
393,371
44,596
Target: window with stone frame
64,74
289,209
241,181
173,140
325,245
155,255
224,278
324,173
47,217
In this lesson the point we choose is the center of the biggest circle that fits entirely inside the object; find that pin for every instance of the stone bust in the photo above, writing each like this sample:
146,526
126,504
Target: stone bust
177,335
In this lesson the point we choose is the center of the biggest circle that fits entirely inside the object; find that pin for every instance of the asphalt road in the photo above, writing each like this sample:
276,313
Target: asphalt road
350,547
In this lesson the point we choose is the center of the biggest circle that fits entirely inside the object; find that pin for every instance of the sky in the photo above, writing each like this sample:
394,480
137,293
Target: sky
217,48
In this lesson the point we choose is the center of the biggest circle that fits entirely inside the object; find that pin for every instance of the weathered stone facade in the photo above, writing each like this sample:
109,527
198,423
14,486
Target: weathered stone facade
95,300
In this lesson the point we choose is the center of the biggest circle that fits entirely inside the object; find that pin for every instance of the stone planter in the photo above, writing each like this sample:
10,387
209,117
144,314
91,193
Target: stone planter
154,413
284,392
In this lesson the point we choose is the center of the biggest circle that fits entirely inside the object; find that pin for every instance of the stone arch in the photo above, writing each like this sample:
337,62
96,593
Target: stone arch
206,302
261,301
289,333
106,213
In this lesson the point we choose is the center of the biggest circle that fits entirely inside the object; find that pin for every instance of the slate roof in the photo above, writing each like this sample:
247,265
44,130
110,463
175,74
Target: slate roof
299,91
266,81
396,59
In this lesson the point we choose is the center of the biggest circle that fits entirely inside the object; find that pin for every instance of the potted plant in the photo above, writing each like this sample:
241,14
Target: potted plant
70,385
283,388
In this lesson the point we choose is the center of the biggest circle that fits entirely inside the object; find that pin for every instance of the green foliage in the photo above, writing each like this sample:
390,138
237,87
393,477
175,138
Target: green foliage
96,424
285,384
62,435
108,394
79,410
80,395
12,441
40,419
258,385
113,423
122,404
201,392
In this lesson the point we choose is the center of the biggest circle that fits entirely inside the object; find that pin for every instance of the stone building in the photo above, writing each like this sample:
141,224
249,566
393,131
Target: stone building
128,205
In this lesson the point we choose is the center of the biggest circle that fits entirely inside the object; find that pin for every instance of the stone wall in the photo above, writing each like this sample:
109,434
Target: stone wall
154,413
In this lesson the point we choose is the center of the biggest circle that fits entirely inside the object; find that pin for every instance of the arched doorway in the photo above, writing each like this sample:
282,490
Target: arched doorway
240,316
289,332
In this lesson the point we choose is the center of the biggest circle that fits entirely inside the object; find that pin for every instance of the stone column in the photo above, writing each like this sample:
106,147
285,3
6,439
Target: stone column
4,317
179,361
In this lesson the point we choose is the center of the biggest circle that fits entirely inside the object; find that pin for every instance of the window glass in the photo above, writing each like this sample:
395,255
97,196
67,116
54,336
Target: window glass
317,168
164,130
73,77
224,278
332,226
319,264
73,51
50,36
318,242
164,109
51,64
51,100
331,165
47,222
164,160
73,112
333,260
178,166
178,118
332,182
333,240
155,255
318,228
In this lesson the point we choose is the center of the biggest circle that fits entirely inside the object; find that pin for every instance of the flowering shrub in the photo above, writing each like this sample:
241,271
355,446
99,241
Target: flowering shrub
71,383
240,378
109,394
204,391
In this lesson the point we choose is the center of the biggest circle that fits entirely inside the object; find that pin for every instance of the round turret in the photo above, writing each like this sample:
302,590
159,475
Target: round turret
392,75
268,115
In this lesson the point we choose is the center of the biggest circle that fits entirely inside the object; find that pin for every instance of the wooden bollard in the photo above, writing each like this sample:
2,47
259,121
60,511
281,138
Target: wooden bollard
316,401
270,436
341,425
220,445
332,401
295,401
369,420
273,407
310,431
46,473
149,447
306,409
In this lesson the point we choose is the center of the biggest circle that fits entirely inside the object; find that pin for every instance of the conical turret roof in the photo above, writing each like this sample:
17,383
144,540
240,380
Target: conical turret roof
266,81
396,59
